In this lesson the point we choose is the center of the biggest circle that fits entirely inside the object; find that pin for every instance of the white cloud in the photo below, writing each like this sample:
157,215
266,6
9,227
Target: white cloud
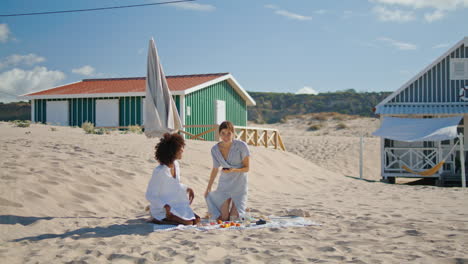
320,11
292,15
86,70
4,33
271,6
441,46
436,4
439,7
288,14
194,6
434,16
18,81
398,44
16,59
396,15
307,90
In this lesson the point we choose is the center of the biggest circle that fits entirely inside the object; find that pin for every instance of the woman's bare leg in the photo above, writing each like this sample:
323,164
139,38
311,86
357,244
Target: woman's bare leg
225,210
178,220
233,213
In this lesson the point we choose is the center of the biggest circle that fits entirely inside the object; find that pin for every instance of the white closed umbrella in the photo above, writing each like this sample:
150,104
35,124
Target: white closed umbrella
160,113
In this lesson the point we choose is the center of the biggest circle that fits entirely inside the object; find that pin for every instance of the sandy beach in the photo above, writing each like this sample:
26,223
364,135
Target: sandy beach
70,197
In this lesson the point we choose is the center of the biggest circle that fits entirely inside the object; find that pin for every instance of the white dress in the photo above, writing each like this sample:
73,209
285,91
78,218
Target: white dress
231,185
164,189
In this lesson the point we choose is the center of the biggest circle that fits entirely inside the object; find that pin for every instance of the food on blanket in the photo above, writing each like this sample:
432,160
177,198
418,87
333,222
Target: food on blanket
219,222
238,224
212,223
223,226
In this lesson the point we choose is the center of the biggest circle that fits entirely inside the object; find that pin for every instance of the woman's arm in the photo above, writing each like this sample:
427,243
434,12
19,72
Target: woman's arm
245,166
214,173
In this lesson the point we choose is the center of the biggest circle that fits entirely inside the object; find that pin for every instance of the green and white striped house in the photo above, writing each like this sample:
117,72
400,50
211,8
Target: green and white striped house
202,99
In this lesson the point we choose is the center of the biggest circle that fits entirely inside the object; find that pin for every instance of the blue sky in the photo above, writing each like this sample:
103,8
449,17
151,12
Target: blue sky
275,46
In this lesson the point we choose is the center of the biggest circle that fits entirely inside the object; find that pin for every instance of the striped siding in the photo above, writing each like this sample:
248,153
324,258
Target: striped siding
81,110
40,111
84,110
435,86
202,105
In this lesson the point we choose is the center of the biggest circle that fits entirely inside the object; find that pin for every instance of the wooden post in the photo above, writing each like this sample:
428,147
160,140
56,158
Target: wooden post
462,160
276,139
244,136
256,137
217,133
360,157
265,138
281,142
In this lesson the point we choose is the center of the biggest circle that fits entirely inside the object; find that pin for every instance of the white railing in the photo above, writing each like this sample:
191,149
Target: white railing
417,159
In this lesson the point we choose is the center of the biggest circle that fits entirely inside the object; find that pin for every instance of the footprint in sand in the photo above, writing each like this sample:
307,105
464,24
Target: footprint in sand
122,173
82,196
9,178
126,258
8,203
49,182
413,232
32,195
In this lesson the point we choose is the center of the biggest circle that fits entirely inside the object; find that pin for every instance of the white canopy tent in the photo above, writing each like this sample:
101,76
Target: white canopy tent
423,129
418,129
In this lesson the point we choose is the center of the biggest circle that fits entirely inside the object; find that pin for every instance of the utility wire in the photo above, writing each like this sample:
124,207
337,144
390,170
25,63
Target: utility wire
8,94
94,9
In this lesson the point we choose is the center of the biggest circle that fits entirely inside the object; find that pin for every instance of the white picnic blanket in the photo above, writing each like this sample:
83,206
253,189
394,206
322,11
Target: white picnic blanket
272,222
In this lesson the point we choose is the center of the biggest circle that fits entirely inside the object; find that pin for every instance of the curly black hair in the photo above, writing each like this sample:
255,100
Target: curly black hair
167,148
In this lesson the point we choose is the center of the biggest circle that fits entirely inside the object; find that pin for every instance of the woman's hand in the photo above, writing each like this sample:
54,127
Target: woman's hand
168,210
191,194
208,190
228,170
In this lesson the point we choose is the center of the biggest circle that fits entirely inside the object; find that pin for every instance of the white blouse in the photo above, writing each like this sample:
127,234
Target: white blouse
164,189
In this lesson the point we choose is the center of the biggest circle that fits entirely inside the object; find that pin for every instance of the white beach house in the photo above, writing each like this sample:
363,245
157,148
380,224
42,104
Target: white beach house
416,133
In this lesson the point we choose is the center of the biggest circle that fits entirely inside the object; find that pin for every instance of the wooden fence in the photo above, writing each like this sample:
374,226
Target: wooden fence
255,136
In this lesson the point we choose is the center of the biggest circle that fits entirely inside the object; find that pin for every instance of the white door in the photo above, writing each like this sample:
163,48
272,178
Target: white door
220,111
107,113
57,113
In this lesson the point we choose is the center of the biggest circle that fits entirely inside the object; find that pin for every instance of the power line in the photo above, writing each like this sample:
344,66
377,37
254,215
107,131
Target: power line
94,9
8,94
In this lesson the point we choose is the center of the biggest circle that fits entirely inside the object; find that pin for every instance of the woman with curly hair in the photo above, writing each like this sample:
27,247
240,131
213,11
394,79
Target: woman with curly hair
169,199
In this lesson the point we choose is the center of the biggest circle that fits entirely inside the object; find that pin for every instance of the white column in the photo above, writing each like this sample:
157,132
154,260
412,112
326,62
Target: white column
462,161
33,112
182,111
382,153
361,145
441,156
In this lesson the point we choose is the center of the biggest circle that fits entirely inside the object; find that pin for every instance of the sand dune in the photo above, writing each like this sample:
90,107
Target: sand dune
68,197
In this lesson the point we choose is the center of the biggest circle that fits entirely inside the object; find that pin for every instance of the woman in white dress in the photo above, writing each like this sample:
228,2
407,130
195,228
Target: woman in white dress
169,199
229,200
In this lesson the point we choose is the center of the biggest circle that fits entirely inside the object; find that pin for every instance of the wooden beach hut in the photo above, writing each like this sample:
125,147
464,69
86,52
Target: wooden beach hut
440,90
201,99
